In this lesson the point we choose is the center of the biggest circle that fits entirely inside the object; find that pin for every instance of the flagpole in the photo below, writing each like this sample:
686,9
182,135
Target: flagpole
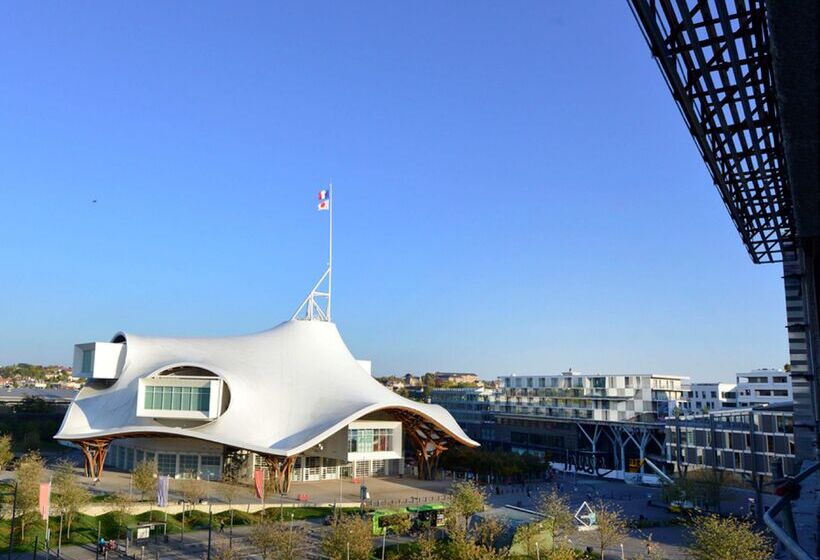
330,255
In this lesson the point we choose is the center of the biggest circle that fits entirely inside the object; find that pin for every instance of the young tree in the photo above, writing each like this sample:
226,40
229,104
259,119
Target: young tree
29,475
279,540
716,538
557,513
230,490
612,527
561,552
488,531
6,454
193,490
528,536
426,548
350,532
69,495
222,550
466,499
119,505
144,478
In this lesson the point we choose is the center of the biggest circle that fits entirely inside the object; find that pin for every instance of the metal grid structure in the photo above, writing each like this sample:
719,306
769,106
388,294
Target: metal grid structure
714,56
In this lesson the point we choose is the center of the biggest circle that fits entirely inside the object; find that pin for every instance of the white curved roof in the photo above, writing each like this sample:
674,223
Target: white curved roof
291,387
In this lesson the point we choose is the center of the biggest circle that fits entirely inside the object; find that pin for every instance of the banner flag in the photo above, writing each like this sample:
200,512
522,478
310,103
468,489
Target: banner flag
259,483
162,490
45,499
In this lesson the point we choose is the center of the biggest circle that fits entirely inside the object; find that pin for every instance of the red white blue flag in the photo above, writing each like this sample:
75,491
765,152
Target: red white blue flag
324,200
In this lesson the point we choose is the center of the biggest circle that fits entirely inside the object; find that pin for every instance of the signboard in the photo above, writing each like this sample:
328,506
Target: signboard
143,532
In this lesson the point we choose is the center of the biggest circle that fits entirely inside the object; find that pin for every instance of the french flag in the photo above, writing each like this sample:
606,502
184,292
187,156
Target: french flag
324,195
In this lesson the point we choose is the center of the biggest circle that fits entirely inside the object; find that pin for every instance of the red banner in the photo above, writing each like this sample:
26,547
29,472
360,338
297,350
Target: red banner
45,499
259,483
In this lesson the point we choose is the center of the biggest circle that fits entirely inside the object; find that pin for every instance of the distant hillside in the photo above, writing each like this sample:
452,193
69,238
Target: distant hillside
50,373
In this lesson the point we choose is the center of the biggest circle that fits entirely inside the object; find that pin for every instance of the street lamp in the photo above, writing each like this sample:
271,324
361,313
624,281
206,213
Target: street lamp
11,483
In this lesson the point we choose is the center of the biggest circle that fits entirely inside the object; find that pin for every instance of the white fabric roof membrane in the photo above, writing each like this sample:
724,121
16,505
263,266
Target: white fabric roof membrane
290,387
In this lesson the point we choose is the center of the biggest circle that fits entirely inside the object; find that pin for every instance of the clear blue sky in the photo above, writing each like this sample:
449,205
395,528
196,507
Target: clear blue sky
515,189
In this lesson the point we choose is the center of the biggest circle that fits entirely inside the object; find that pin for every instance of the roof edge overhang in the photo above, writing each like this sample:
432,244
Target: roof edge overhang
162,431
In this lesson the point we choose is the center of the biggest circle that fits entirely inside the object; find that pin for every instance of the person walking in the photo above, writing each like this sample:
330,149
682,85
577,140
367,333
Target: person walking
222,525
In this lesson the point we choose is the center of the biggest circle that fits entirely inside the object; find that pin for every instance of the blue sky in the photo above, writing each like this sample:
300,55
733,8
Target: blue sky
515,189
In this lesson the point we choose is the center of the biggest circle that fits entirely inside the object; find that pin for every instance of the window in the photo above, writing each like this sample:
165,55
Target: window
188,466
159,397
88,361
210,467
166,464
369,440
779,380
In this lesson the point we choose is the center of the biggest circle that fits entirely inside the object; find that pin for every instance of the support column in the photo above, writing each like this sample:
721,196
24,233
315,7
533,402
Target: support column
428,442
642,447
94,451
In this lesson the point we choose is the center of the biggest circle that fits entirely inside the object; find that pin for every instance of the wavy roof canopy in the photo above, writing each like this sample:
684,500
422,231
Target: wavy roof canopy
291,387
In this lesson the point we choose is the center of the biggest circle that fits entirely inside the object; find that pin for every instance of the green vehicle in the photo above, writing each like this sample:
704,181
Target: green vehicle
428,516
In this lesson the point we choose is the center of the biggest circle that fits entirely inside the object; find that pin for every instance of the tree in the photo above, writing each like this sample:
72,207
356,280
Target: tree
29,475
528,536
466,499
716,538
6,454
279,540
69,495
350,531
193,490
488,531
119,505
561,552
426,548
144,478
557,513
707,485
222,550
612,526
230,490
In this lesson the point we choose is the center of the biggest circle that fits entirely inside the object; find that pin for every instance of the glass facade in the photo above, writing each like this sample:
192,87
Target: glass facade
196,399
188,466
88,361
368,440
209,468
167,464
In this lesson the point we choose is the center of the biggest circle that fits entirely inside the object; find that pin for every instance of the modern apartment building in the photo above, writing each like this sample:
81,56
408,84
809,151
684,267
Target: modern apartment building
599,397
747,441
471,407
586,421
709,397
762,387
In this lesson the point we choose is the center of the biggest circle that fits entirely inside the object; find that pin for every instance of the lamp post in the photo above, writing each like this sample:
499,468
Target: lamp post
11,483
210,525
384,539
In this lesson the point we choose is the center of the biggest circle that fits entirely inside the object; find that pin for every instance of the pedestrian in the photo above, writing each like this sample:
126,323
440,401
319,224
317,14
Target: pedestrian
222,525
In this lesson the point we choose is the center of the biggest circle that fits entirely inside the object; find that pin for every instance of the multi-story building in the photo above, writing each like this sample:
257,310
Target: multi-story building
586,421
572,395
747,441
763,386
709,397
472,409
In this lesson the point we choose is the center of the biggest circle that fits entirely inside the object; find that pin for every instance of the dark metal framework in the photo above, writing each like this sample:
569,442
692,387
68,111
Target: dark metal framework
714,56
